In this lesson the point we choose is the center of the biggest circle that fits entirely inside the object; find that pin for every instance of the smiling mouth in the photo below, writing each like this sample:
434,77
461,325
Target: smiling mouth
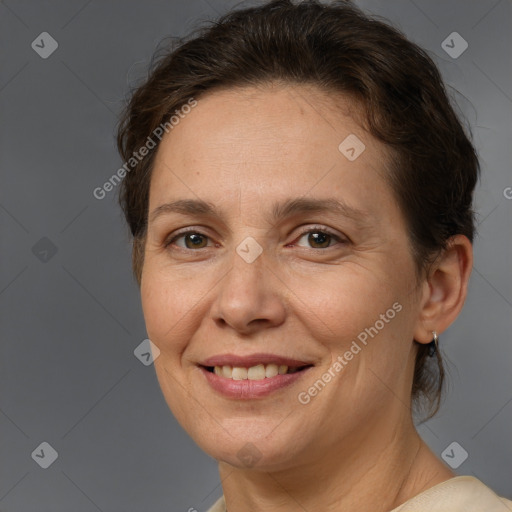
257,372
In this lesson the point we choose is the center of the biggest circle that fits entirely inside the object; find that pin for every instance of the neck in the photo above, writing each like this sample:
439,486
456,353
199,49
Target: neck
377,469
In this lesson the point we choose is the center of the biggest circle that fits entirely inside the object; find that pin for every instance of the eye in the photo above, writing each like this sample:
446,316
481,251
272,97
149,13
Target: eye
319,238
191,240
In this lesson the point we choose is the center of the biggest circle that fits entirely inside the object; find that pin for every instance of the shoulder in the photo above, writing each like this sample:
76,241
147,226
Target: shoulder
458,494
218,506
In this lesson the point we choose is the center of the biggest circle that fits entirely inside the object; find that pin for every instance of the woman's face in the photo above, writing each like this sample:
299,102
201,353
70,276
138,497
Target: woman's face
271,272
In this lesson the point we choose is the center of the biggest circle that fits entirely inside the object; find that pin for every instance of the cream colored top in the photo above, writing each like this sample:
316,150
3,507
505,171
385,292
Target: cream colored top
458,494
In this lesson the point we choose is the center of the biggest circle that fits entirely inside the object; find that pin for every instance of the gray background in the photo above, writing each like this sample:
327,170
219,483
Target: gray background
70,321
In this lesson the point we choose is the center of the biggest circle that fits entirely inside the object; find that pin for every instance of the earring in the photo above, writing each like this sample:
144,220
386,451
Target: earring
432,346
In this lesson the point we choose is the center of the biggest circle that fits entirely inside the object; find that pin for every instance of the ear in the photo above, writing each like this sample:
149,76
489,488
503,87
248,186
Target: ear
445,289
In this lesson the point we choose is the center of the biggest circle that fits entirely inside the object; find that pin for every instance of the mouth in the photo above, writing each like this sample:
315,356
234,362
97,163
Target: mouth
256,372
252,377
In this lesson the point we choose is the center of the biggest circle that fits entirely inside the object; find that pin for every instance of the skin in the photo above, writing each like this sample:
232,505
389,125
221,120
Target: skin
354,445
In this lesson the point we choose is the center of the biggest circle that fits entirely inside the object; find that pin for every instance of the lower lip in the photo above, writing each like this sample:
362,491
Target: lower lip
249,389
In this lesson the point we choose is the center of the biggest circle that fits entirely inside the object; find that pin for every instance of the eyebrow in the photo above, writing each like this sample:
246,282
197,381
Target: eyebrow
279,210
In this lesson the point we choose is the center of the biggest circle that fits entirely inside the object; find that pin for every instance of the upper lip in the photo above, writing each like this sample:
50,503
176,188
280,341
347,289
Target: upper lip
252,360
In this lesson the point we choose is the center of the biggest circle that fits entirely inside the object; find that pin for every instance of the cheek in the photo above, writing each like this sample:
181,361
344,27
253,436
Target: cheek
362,316
342,302
167,304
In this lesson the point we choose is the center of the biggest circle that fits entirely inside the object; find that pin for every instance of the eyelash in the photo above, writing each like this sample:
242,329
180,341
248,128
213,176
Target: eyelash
314,229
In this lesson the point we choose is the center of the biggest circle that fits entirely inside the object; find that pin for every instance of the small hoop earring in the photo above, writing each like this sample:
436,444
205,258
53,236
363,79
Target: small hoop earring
432,346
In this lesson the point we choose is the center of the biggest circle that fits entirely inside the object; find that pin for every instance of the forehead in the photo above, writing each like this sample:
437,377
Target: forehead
268,141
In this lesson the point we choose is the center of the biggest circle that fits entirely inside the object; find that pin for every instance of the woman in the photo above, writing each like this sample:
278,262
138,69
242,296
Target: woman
299,191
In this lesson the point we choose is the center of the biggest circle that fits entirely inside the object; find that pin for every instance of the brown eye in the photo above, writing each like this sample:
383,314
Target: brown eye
190,240
319,239
196,241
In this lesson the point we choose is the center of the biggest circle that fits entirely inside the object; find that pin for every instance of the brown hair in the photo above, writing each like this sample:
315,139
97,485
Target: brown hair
335,47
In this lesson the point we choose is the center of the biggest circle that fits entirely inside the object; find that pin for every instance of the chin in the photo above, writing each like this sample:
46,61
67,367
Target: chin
242,445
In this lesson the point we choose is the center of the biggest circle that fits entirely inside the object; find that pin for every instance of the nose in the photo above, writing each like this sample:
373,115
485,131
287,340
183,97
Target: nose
250,297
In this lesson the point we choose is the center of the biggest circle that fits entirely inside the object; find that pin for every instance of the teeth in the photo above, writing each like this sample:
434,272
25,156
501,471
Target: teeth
258,372
271,370
239,373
